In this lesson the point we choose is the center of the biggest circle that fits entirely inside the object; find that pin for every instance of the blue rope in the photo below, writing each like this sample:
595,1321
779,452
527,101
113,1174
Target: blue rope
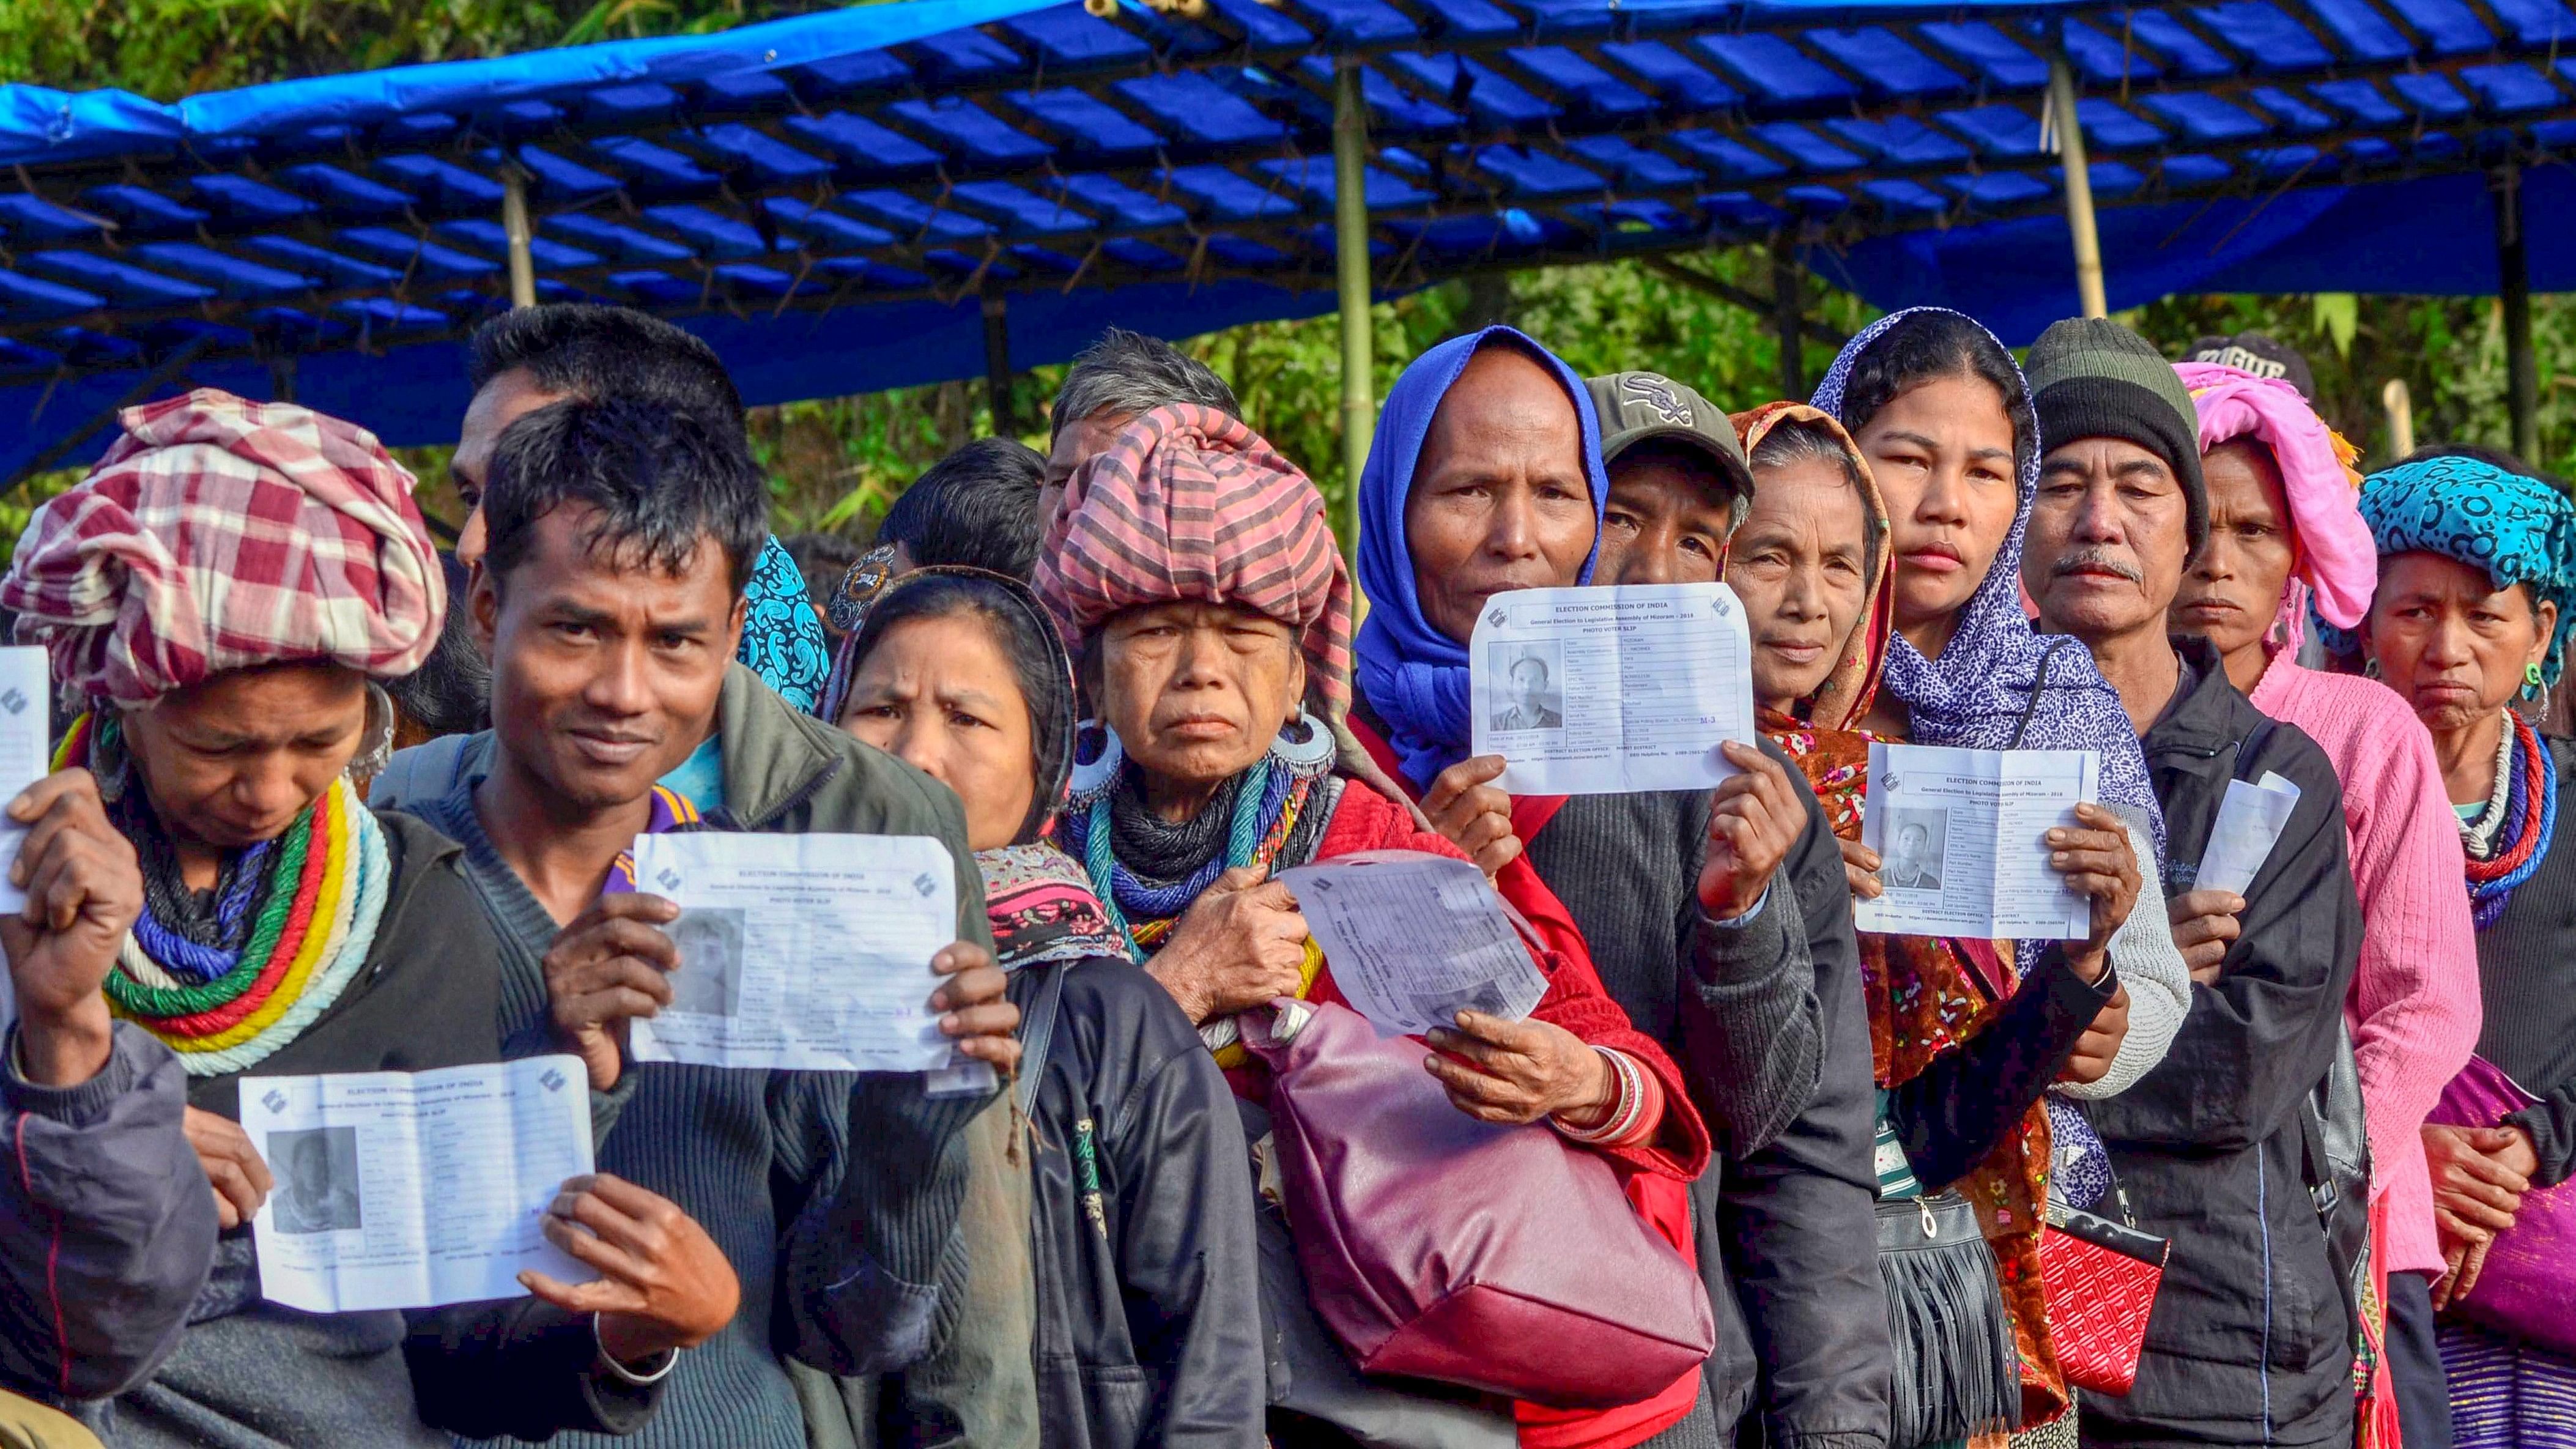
1256,805
2488,901
194,961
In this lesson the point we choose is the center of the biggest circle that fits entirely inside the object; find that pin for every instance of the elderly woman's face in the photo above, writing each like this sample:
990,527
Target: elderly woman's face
1800,564
233,761
940,695
1196,693
2449,641
1499,498
2233,587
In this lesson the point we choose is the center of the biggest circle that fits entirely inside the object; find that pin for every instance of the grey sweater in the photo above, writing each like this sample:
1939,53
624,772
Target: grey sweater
838,1236
1766,1020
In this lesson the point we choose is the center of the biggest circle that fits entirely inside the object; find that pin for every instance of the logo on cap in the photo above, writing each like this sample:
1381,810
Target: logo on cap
1655,393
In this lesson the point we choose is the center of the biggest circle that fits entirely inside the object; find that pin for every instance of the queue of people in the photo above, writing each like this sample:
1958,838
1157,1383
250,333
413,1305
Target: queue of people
2281,1164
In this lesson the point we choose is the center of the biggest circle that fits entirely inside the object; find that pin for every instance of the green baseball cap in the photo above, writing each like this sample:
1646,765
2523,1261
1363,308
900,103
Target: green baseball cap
1638,406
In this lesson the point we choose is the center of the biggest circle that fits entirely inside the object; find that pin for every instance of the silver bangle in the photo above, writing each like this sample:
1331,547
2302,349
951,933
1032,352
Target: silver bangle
670,1361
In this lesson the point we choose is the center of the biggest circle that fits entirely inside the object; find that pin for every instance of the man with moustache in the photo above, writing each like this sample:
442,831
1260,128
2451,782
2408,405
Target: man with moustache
2252,1341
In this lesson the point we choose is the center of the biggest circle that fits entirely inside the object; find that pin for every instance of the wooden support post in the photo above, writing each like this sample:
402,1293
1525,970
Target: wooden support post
514,225
1788,315
997,362
2079,187
1351,272
2513,265
2400,406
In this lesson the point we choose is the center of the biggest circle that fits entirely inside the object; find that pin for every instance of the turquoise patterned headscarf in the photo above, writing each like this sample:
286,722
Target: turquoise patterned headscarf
2519,530
782,638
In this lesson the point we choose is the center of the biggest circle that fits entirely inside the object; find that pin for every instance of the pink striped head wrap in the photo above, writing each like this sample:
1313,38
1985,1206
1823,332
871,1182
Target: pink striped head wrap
219,534
2337,558
1189,504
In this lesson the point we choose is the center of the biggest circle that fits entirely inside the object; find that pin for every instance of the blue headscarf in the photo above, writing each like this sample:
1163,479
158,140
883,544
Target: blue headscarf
1977,694
1412,674
782,638
2519,530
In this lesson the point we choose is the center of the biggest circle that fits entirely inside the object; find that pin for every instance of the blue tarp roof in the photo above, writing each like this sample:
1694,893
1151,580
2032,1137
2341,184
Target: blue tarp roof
828,198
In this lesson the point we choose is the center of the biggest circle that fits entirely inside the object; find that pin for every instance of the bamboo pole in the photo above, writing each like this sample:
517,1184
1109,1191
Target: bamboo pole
514,225
2400,406
1351,270
2079,187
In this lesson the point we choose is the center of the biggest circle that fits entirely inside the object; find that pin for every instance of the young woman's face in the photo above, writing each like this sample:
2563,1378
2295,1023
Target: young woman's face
1942,452
2449,641
940,694
1799,563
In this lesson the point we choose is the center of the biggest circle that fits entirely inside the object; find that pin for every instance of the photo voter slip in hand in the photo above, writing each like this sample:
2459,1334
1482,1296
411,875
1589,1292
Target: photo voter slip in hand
800,952
1962,842
1600,691
1414,938
415,1189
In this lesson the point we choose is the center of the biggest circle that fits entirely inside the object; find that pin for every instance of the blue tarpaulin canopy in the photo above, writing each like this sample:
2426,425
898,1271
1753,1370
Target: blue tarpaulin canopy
836,200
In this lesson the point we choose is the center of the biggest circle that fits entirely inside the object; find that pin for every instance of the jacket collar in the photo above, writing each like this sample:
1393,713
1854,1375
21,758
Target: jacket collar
775,755
2203,718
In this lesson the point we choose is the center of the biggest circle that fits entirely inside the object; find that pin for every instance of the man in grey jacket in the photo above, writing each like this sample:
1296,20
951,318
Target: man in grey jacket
619,538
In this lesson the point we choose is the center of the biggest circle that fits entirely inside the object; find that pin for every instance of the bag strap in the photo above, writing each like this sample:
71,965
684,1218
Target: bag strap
2038,687
1037,1036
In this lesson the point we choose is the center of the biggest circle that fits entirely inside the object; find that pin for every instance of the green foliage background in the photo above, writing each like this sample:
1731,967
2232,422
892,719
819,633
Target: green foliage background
836,463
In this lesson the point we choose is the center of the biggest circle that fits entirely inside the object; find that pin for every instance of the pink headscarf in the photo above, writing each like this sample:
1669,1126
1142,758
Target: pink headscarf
2337,558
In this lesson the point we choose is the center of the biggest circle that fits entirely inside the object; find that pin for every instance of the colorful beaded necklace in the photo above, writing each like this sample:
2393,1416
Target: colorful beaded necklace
303,908
2530,819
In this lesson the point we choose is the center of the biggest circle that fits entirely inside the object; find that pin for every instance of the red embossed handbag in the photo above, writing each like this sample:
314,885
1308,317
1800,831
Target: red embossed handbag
2099,1278
1439,1247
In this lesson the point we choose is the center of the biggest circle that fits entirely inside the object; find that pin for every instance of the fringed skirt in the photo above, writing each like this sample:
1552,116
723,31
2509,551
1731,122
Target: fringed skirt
2507,1395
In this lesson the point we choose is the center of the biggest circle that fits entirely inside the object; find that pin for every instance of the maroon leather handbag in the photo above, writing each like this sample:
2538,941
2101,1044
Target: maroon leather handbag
1439,1247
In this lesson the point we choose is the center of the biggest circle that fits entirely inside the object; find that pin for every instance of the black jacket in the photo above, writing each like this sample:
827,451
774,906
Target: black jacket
2250,1342
1148,1277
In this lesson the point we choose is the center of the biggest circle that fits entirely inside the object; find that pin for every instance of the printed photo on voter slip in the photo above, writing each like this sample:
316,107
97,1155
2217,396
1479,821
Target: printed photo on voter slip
1611,690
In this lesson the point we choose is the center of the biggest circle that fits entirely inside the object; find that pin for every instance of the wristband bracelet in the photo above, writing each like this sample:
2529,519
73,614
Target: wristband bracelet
670,1360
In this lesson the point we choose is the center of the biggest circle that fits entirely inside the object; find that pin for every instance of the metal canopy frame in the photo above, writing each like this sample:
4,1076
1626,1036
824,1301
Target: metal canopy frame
1059,148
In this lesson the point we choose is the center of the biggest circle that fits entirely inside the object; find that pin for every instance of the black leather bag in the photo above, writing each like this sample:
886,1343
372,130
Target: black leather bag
1958,1372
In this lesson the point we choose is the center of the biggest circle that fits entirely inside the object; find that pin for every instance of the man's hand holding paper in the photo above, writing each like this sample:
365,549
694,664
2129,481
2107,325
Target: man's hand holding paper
811,952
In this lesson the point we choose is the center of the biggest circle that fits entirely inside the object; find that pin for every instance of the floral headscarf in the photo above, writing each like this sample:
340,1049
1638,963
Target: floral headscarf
1849,690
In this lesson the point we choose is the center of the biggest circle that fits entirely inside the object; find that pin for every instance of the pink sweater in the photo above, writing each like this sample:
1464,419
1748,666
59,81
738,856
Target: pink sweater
2414,1008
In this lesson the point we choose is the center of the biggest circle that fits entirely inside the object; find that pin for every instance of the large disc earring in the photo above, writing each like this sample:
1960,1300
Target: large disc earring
376,744
1094,775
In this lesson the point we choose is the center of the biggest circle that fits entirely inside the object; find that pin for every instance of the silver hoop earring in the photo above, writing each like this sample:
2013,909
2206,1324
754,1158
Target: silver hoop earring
376,744
1309,750
2370,668
1090,778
